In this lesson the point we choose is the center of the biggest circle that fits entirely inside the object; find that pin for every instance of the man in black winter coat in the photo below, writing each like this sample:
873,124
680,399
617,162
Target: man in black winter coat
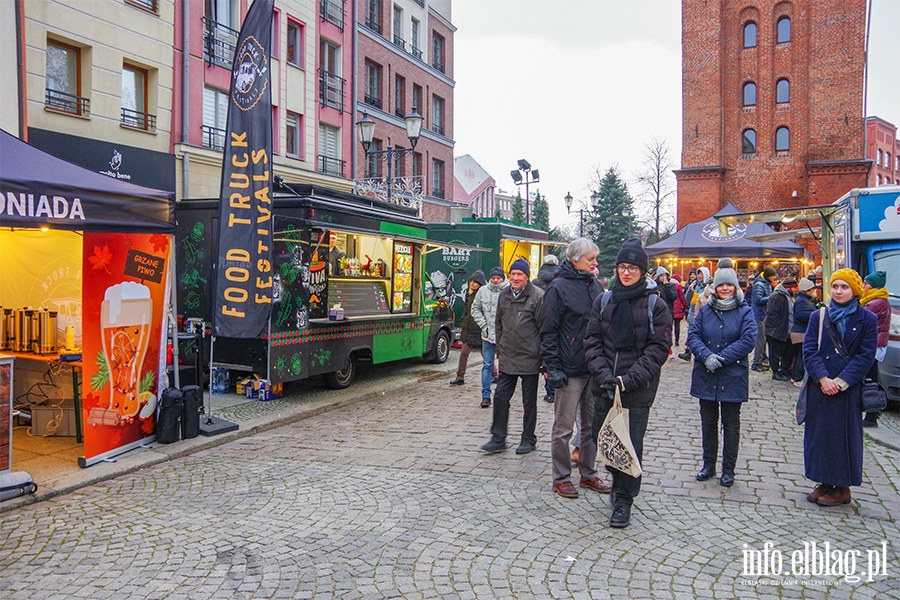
623,350
563,320
547,272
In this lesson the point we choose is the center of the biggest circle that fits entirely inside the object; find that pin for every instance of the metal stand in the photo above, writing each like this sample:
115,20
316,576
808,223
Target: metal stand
210,425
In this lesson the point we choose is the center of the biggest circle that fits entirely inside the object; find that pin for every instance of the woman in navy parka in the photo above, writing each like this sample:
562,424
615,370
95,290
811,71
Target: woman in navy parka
721,337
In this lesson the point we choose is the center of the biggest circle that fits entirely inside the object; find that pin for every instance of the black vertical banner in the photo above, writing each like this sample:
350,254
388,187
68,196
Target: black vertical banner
243,298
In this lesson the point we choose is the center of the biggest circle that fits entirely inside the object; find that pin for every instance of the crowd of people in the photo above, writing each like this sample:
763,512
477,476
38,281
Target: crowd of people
592,346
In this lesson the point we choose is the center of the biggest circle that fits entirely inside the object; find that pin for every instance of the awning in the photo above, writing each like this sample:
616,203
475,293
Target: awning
40,190
705,239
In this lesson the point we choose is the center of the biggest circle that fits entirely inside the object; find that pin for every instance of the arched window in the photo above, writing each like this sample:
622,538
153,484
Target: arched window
784,30
783,91
749,142
782,139
749,94
750,35
880,156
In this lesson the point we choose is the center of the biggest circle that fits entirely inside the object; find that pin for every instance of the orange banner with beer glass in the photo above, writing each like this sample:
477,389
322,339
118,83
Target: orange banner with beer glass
124,300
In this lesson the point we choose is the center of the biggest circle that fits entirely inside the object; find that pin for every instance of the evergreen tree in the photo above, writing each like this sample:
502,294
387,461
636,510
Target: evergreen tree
540,216
518,213
498,213
612,221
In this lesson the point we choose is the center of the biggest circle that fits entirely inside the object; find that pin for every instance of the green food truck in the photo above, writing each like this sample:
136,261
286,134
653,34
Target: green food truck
348,286
450,268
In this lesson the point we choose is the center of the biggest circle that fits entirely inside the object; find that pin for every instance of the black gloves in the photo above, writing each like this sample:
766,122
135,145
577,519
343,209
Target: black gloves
557,379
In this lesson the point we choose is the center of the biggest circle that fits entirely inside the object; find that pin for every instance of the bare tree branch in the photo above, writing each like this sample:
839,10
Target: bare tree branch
657,189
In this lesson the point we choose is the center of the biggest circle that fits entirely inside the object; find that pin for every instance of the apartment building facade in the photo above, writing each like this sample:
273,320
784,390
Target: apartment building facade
96,85
883,148
138,89
405,63
772,104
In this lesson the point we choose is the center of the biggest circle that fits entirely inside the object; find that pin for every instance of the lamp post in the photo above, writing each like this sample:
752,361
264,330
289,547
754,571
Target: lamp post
595,200
366,129
525,167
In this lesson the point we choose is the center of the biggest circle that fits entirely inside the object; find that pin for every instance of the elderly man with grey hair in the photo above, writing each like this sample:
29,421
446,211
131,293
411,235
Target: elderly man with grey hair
564,319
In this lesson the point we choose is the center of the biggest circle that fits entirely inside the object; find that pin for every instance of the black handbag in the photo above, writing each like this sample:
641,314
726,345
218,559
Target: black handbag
800,409
874,399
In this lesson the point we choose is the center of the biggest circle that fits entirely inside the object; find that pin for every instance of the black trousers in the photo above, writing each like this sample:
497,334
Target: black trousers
506,385
625,488
731,432
799,370
780,355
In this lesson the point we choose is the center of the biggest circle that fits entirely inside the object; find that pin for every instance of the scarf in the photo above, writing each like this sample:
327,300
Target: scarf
623,331
873,294
727,304
838,313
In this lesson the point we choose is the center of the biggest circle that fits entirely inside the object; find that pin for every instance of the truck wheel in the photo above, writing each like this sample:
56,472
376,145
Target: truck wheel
343,378
441,351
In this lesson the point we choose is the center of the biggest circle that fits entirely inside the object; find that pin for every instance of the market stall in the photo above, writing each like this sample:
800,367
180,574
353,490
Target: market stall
85,278
703,244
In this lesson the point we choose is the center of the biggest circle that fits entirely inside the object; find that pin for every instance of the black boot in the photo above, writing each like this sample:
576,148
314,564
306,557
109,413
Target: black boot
686,355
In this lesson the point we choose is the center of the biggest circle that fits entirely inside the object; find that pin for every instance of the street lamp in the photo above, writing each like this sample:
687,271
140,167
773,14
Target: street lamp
516,174
595,201
366,129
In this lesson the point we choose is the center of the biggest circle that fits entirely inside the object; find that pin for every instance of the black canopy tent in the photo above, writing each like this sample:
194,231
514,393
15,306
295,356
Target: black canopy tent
39,190
703,239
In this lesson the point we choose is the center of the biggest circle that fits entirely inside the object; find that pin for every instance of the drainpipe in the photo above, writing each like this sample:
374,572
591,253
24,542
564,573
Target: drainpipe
185,94
353,94
20,69
866,86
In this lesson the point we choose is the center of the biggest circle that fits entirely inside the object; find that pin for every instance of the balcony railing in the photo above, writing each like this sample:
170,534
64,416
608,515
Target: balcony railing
219,43
151,5
373,25
213,138
420,3
68,103
438,64
138,120
399,112
372,101
399,42
437,128
437,193
331,90
333,12
417,52
331,166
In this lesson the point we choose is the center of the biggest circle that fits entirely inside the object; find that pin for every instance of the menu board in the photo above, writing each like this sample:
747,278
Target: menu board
362,297
401,299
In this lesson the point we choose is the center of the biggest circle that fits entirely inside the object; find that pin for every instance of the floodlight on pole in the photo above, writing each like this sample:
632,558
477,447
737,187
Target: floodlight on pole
531,176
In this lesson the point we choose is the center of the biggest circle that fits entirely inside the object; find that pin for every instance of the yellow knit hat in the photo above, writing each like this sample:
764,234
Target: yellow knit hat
851,277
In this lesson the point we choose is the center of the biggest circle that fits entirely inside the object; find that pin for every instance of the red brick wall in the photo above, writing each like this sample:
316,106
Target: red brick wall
882,135
823,61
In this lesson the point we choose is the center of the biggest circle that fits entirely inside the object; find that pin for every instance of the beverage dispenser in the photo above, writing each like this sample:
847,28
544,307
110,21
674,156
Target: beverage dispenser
24,323
7,326
45,332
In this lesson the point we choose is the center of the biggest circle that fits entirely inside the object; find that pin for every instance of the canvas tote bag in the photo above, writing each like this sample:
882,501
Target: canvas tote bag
614,440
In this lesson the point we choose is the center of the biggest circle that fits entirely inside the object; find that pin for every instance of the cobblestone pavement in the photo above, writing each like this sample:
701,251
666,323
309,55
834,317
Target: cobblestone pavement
391,498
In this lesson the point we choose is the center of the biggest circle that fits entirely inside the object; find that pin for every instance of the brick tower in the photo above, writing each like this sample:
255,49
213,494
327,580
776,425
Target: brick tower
772,104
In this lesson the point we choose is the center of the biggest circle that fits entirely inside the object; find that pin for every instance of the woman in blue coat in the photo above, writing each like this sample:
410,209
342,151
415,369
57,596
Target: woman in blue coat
832,435
721,338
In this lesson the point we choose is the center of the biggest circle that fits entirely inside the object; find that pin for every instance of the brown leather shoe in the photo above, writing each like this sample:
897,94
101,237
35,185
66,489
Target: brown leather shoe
575,455
836,497
566,489
821,490
595,484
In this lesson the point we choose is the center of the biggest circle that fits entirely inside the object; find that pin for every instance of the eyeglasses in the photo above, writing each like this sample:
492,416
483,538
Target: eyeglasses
626,269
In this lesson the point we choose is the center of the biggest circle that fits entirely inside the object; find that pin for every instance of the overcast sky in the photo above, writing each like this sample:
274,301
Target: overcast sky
572,84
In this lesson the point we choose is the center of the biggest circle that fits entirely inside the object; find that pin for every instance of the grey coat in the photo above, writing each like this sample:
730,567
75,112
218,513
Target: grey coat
519,331
484,309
